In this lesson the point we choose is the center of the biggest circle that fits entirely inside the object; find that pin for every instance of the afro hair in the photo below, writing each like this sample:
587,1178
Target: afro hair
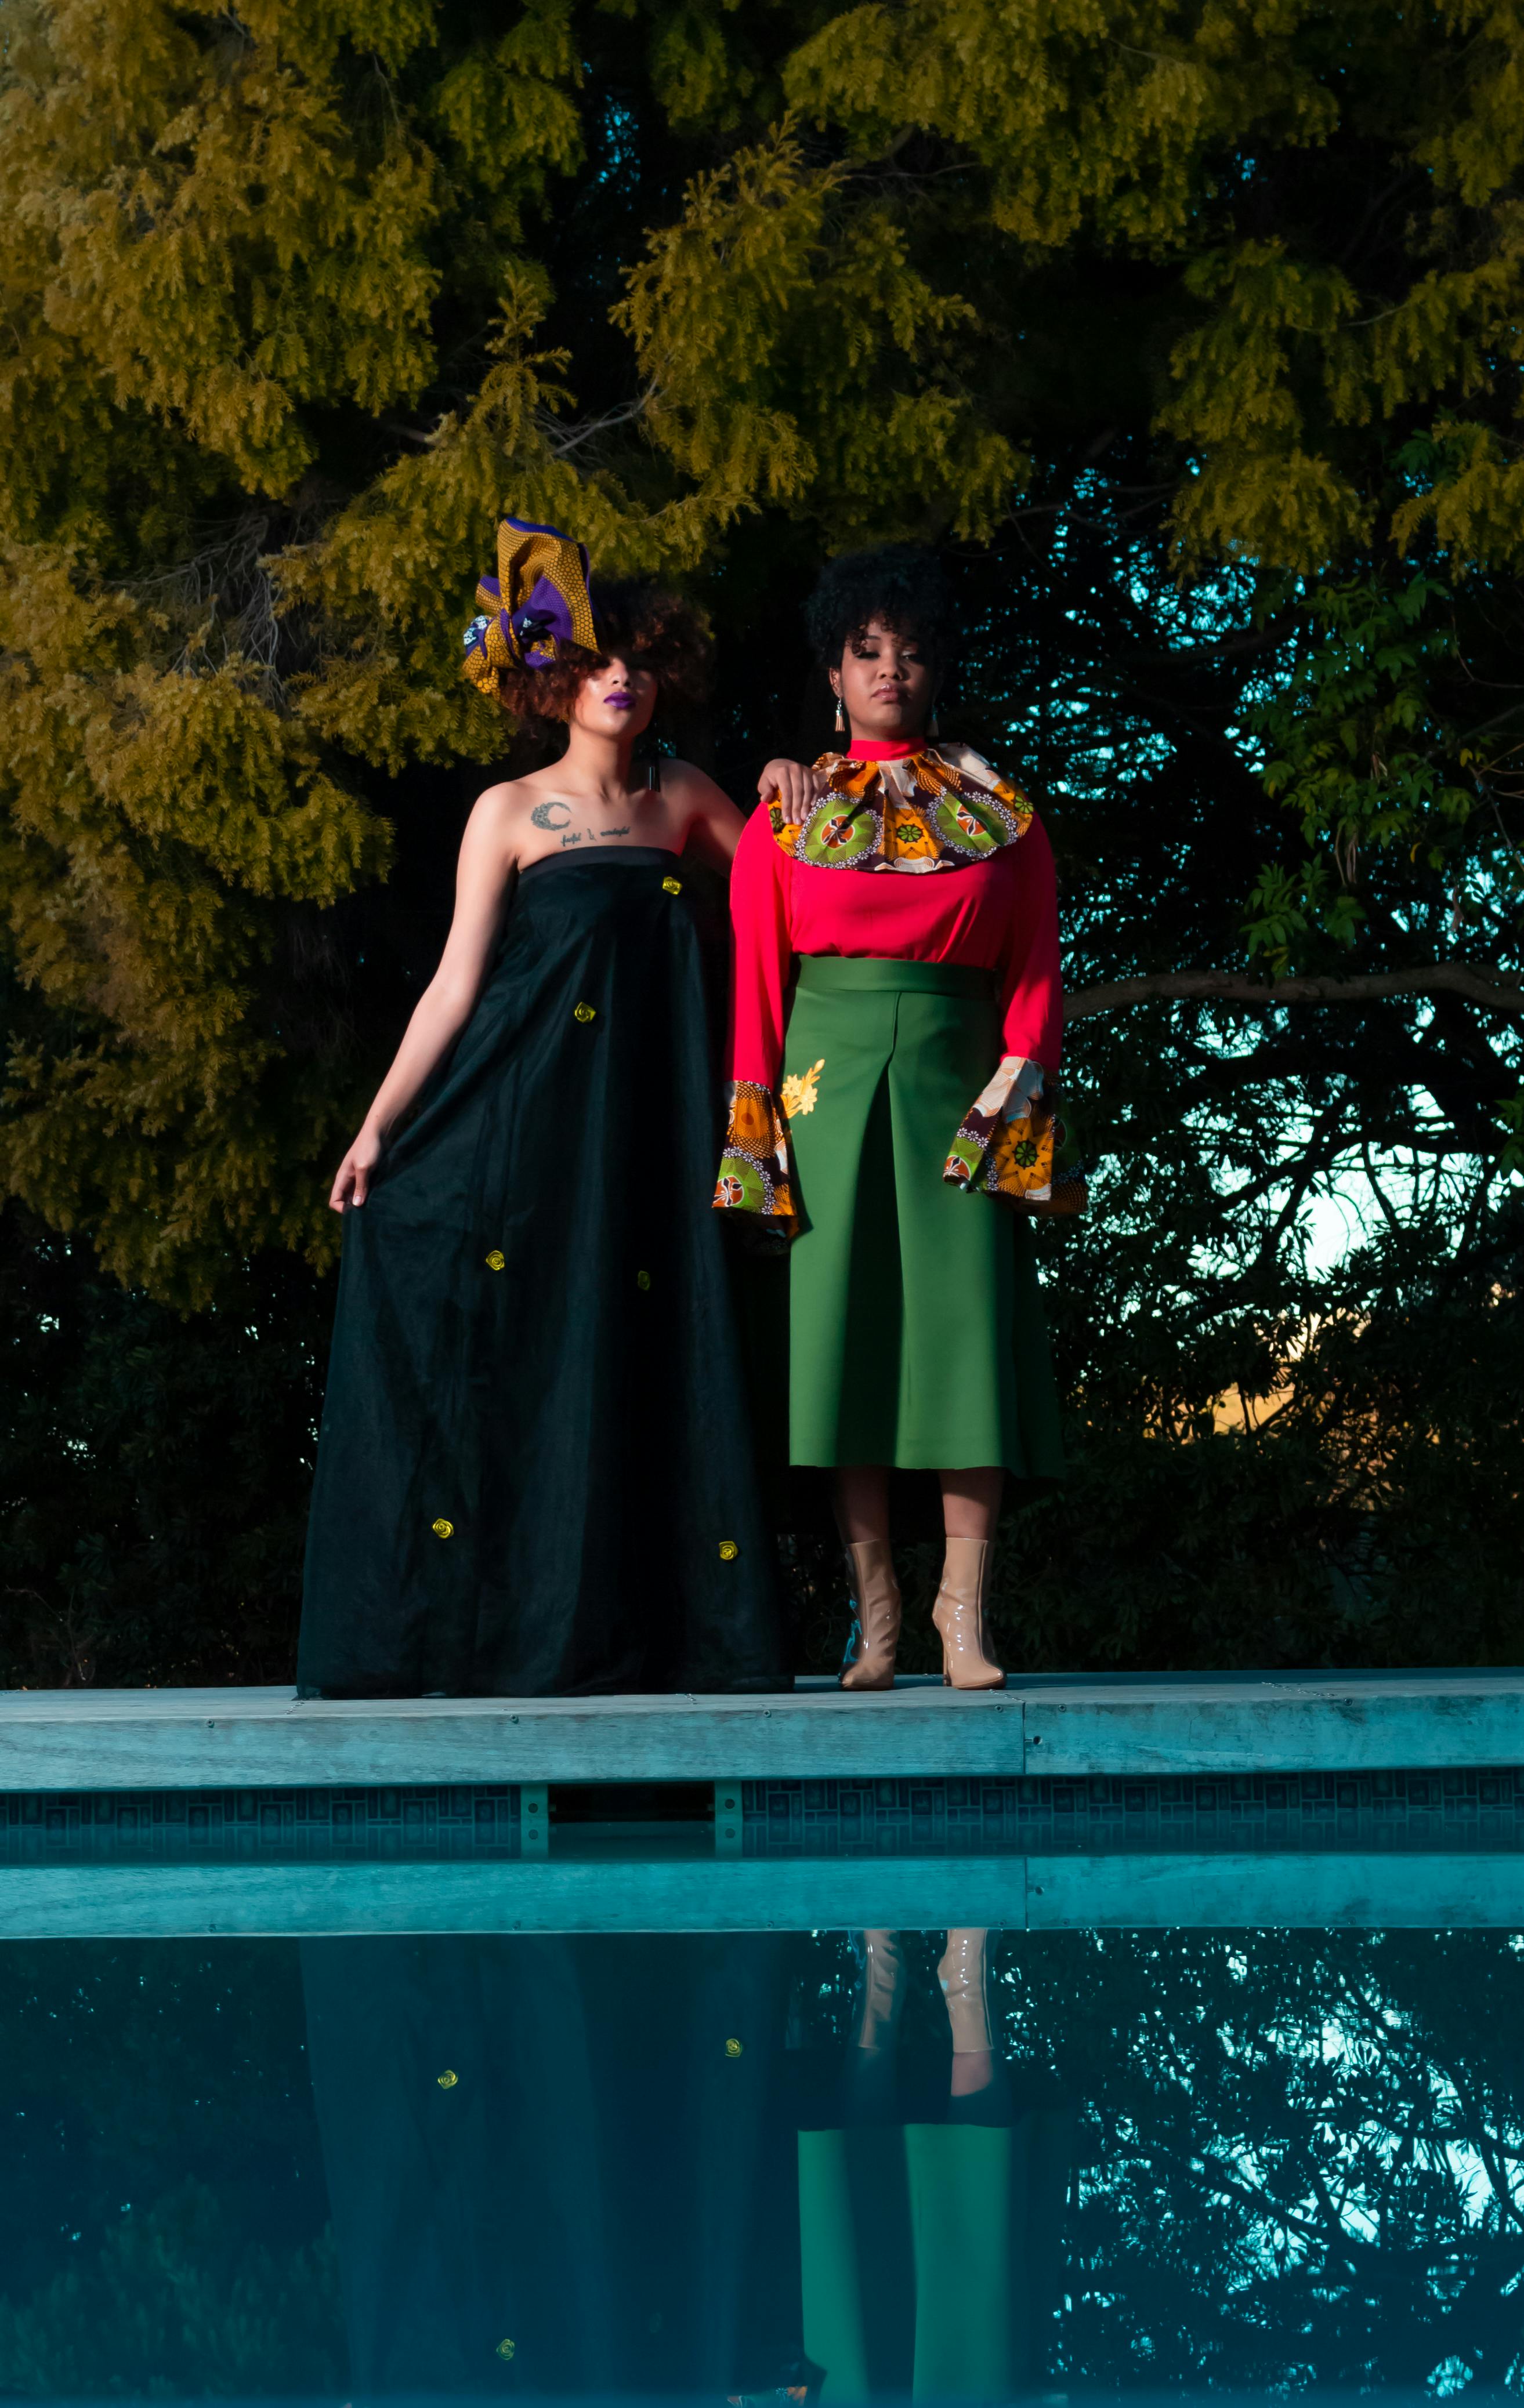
649,628
902,584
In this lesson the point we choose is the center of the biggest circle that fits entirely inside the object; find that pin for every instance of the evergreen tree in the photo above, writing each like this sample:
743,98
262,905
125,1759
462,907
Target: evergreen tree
1189,330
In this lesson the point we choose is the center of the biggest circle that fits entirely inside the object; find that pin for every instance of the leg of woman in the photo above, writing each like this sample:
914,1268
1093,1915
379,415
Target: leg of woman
862,1516
870,2070
862,1502
971,1503
961,2190
962,1977
883,1989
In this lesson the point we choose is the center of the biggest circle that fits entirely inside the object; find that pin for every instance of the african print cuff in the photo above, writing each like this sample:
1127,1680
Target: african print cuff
755,1171
1007,1141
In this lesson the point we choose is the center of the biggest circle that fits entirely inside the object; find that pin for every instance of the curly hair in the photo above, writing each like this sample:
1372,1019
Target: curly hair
903,584
650,629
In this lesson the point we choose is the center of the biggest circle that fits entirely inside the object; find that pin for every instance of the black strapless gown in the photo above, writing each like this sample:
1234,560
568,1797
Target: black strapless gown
559,2164
535,1474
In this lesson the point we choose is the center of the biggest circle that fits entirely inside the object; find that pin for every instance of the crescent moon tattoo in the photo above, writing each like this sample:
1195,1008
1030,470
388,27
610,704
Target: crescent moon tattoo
541,815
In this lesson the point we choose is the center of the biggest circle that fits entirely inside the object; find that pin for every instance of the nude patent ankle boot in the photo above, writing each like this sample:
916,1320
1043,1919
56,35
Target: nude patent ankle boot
883,1989
961,1974
959,1617
871,2078
868,1663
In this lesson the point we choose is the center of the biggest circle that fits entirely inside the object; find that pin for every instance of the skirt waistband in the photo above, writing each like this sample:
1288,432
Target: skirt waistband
854,974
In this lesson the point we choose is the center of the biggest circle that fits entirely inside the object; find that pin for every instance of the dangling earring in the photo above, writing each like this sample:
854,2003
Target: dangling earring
650,747
841,718
933,728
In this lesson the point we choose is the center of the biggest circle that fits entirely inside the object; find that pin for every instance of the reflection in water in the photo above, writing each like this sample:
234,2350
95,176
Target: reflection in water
596,2166
930,2197
593,2164
559,2164
956,2164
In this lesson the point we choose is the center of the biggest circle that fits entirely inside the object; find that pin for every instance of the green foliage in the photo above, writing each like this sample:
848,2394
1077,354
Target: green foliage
1357,753
1364,1482
169,2309
165,2228
1292,2154
297,300
160,825
153,1471
762,401
1314,2132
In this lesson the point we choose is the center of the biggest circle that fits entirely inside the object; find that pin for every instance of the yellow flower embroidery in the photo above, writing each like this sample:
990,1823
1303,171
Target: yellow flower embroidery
799,1091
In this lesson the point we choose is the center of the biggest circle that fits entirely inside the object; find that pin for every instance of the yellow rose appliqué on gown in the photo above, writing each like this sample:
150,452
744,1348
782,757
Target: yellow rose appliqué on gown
799,1092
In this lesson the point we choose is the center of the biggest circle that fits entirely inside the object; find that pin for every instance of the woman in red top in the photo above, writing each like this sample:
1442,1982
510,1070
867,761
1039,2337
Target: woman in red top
895,1030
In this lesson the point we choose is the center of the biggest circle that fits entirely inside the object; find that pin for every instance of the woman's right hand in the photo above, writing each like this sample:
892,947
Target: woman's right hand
356,1170
796,786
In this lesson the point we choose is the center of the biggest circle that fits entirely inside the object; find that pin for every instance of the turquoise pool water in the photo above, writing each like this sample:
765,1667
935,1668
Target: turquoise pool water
739,2164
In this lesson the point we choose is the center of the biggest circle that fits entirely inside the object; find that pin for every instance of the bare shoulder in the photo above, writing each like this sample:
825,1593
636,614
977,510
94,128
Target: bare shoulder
504,816
695,797
700,812
496,808
686,782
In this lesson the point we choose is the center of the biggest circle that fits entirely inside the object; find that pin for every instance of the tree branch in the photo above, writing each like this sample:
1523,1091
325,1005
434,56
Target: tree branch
1481,982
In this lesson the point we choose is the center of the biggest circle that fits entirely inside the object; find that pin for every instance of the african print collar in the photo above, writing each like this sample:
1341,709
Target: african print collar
921,813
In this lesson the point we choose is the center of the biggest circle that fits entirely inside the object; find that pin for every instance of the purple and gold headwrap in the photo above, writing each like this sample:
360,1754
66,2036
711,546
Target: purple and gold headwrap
538,603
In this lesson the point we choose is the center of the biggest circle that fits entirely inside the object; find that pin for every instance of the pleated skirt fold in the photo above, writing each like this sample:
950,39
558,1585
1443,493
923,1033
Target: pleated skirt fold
916,1336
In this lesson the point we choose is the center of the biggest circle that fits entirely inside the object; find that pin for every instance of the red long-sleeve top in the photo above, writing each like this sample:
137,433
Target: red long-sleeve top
999,914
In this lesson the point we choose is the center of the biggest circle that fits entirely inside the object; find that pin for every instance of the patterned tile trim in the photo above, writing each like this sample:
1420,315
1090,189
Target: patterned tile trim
333,1824
1280,1813
1277,1812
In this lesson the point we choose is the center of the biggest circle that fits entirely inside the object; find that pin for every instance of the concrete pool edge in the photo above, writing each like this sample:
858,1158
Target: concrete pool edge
1008,1892
1147,1724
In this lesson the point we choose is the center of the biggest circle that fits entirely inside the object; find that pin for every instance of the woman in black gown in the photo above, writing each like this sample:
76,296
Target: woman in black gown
560,2163
535,1475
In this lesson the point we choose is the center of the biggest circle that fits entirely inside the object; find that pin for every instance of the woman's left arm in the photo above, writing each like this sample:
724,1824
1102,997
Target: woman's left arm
713,824
1031,986
756,1174
1004,1143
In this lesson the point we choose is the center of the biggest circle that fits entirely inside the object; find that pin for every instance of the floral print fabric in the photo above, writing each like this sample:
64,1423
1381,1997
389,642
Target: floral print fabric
924,813
755,1172
1007,1142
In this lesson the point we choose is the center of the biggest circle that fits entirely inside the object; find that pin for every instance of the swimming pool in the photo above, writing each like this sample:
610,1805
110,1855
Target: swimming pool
740,2163
456,2048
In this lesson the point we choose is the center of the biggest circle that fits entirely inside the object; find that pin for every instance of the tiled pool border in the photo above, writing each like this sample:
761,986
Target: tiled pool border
1393,1812
1096,1814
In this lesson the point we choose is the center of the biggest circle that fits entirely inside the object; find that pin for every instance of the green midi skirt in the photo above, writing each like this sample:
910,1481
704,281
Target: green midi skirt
916,1336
